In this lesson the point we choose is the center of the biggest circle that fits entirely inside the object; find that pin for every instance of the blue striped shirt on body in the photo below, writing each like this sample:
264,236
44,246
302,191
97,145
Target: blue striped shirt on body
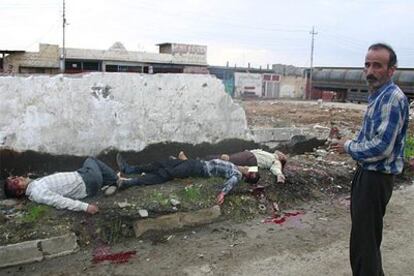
380,144
221,168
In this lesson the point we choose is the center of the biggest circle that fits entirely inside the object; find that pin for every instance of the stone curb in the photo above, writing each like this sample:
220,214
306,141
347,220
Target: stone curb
176,221
37,250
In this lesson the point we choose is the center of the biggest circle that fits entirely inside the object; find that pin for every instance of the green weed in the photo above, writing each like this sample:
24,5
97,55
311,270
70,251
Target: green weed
160,198
35,213
409,148
191,193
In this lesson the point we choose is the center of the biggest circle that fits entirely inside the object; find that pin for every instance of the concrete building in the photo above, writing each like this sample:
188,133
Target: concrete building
172,58
248,82
45,61
293,80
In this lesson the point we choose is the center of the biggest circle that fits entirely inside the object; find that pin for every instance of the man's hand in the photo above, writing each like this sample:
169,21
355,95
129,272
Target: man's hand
339,146
92,209
280,178
220,198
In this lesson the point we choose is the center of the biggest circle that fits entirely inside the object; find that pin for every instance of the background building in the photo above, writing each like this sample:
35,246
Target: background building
172,58
259,83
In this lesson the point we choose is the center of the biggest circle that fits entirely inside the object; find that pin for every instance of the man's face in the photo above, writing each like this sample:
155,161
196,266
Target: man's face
20,184
250,177
376,69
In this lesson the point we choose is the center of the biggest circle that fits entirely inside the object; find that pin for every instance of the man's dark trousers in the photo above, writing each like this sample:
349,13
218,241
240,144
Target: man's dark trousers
370,194
163,171
96,174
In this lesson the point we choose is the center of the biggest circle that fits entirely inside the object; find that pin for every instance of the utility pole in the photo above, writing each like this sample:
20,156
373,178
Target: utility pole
313,33
62,67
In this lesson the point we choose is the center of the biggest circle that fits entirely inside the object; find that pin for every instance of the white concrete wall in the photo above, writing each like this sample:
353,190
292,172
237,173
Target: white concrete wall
83,115
247,82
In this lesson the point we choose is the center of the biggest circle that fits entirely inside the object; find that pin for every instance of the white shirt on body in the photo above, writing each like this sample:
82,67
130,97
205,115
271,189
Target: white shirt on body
267,160
60,190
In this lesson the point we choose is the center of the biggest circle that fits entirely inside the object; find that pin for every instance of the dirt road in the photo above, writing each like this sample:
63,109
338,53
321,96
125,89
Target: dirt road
312,243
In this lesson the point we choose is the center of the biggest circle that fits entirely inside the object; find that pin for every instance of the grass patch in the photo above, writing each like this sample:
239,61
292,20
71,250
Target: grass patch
34,213
160,198
240,207
191,193
409,147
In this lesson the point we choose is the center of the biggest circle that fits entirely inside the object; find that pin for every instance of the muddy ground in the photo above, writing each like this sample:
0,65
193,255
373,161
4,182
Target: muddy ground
308,238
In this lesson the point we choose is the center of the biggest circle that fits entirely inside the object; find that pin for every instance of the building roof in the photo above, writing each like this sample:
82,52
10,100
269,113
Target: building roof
12,51
132,56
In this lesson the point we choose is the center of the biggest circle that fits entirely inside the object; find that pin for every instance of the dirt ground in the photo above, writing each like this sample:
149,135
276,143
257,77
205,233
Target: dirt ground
312,244
311,238
346,116
287,113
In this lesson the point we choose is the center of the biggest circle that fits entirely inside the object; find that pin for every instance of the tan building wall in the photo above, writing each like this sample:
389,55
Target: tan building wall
44,61
292,87
293,81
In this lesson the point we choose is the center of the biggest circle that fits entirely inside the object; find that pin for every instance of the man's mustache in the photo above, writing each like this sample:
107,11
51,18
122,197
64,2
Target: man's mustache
371,78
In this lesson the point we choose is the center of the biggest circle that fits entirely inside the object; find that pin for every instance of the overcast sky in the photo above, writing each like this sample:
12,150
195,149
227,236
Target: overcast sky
238,31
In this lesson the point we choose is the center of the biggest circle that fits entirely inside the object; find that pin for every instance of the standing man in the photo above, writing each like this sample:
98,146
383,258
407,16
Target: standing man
378,150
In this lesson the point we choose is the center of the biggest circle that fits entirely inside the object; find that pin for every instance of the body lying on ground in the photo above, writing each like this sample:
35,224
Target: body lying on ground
63,190
257,157
168,169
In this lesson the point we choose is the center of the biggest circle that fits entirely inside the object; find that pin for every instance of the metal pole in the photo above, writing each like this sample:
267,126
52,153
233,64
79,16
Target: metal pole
63,42
313,33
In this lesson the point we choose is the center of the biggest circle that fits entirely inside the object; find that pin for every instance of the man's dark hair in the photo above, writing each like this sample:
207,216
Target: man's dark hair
10,190
393,57
252,180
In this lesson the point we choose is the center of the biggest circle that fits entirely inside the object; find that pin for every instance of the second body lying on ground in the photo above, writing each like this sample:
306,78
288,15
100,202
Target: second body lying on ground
168,169
257,157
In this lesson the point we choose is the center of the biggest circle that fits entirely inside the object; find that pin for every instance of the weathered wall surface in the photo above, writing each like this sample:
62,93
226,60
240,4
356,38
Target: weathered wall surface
292,87
84,115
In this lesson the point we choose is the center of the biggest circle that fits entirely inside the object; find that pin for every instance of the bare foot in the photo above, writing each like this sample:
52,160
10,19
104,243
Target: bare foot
182,156
225,157
120,180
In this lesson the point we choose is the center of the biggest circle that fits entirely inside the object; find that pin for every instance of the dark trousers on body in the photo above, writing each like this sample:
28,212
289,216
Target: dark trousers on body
370,194
96,174
243,158
163,171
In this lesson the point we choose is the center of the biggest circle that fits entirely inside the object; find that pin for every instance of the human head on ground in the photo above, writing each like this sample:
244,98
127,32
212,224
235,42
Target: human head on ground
15,186
380,65
281,157
249,177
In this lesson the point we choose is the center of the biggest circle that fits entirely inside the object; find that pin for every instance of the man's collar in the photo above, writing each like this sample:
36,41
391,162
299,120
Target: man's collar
379,91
